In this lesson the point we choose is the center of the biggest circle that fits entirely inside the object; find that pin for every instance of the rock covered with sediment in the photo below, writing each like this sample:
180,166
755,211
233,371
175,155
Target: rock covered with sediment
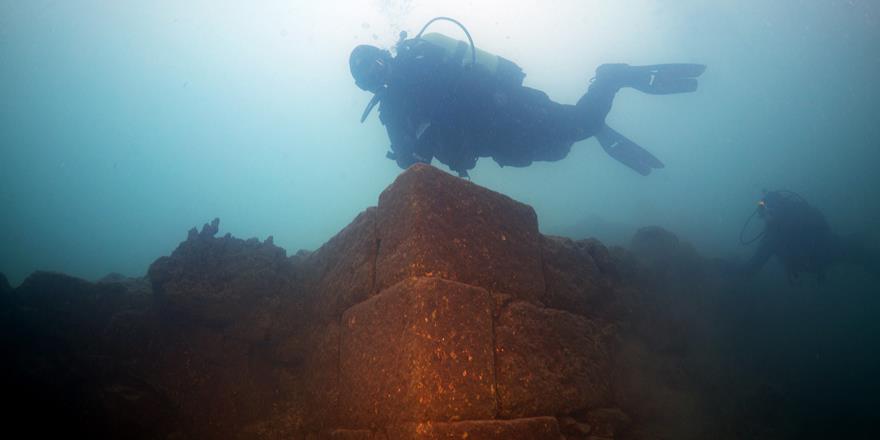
444,303
216,280
442,312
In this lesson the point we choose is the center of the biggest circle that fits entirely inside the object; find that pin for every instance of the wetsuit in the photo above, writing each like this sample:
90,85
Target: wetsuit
436,108
800,237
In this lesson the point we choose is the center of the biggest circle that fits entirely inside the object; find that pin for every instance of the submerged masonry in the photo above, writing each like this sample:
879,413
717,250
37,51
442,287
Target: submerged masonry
441,313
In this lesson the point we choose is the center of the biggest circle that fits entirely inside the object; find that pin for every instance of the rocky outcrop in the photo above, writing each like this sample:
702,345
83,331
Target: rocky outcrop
421,350
58,362
433,225
228,335
437,297
579,275
215,281
440,313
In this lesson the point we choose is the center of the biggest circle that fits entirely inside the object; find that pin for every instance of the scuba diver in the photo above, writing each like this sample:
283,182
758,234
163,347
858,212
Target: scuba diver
444,99
800,237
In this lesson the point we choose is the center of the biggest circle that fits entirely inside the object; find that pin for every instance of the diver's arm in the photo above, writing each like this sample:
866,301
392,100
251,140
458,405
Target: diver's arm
407,108
406,148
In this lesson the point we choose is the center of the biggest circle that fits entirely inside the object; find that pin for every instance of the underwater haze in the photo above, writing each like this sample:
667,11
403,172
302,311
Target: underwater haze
124,124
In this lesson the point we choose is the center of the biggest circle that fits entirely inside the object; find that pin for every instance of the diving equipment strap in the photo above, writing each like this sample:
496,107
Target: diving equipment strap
376,98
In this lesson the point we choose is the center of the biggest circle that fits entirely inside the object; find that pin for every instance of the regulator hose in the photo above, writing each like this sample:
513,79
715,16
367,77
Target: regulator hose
746,225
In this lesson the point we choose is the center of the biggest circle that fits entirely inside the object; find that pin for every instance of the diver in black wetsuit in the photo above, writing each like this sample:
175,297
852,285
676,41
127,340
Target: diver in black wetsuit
438,102
800,237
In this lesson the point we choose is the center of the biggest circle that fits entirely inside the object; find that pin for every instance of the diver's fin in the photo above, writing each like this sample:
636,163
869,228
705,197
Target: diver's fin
664,79
627,152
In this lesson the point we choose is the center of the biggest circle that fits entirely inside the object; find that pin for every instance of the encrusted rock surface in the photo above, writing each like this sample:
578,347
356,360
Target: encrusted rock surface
213,279
579,275
431,224
421,350
551,361
536,428
442,313
342,272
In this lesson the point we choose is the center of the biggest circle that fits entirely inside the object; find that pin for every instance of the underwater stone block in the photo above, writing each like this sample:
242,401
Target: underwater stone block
536,428
653,243
349,434
607,422
420,350
433,224
342,270
550,361
575,283
321,375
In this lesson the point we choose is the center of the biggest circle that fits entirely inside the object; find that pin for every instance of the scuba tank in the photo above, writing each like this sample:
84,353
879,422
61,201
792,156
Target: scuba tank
467,54
456,51
504,71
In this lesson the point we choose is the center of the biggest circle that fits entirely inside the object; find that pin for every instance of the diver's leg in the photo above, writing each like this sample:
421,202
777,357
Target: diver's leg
594,106
529,126
657,79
